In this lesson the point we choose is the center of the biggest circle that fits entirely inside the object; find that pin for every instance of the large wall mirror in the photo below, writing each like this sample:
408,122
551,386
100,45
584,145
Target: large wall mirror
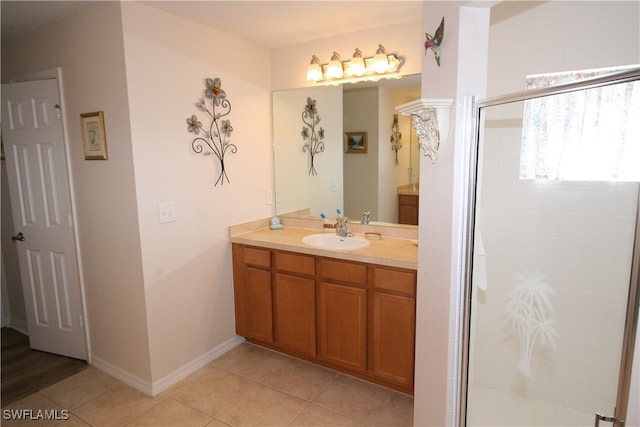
352,180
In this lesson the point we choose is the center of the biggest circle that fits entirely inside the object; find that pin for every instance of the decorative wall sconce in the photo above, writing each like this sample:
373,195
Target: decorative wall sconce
431,120
215,139
313,143
358,68
396,137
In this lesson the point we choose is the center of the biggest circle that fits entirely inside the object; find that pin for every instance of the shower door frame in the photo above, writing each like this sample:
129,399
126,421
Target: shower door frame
633,300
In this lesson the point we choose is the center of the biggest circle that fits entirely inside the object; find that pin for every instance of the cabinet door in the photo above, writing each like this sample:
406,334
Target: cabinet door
295,313
342,325
393,335
408,209
258,308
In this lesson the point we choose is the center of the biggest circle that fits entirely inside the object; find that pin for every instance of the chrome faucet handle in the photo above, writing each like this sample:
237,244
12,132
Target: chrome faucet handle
341,229
366,217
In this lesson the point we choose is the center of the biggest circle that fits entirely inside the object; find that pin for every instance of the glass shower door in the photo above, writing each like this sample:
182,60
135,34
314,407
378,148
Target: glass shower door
551,277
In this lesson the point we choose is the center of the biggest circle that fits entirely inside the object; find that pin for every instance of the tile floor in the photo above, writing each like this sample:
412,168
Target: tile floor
248,386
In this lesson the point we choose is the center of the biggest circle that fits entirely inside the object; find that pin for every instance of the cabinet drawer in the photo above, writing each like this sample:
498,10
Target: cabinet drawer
408,200
403,282
257,257
294,263
341,271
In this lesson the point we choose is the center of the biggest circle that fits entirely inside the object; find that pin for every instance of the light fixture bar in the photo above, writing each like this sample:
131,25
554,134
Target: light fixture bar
352,70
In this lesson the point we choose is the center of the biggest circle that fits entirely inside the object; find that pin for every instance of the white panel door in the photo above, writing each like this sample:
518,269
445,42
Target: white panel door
41,206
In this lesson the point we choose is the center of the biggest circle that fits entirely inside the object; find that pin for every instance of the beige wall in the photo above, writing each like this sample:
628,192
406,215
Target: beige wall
443,195
89,49
187,263
390,175
360,114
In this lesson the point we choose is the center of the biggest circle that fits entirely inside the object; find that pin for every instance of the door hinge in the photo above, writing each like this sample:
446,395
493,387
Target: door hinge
58,111
81,321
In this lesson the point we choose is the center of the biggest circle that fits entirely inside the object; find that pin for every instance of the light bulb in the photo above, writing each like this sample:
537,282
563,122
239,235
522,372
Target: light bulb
314,72
356,65
381,61
334,69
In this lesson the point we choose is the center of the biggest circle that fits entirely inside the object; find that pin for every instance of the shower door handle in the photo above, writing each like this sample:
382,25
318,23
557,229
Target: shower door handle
616,421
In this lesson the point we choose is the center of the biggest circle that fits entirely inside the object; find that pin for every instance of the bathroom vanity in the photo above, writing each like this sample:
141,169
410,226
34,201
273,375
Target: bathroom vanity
353,311
408,202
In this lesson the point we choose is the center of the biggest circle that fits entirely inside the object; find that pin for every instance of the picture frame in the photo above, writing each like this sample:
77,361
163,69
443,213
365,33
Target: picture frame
94,138
356,142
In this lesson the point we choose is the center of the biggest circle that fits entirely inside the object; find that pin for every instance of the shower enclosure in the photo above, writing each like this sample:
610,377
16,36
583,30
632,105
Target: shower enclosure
552,289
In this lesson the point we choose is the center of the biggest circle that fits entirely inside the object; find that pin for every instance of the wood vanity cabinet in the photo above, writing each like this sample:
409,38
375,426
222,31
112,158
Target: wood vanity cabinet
252,292
408,209
392,324
294,303
342,317
352,316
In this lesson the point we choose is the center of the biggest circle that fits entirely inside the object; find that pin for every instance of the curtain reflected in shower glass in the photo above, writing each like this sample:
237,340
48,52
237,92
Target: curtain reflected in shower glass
551,266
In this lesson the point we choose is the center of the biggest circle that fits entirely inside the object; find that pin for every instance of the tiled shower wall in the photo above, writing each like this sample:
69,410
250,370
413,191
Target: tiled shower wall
578,236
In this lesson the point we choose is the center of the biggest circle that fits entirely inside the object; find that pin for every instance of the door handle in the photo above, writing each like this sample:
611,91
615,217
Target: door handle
18,237
614,420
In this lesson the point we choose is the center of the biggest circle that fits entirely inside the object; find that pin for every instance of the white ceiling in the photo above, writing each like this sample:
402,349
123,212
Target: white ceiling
264,22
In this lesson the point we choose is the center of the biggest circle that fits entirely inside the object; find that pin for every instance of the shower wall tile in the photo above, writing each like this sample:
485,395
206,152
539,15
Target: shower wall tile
610,229
578,236
597,280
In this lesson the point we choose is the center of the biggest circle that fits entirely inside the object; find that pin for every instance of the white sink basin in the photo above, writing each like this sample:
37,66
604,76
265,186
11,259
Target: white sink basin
334,242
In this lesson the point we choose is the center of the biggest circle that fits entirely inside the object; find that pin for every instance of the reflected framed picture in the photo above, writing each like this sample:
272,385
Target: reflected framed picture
94,138
355,142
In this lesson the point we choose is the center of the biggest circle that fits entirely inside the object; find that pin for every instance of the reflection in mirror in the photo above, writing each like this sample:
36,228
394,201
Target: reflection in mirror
353,182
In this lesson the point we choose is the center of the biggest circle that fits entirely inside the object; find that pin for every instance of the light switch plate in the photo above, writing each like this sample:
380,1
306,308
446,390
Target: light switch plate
166,212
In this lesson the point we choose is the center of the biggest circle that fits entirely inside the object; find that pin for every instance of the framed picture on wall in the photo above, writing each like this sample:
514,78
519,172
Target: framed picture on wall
94,139
355,142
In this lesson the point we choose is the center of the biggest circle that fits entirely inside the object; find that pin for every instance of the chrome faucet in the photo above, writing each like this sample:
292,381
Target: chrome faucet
366,217
341,229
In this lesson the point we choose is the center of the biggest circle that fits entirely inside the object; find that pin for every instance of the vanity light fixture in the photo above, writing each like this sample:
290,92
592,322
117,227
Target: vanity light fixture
314,72
358,68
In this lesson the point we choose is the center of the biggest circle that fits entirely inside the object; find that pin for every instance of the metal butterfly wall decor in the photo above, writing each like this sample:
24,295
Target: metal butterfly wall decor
433,42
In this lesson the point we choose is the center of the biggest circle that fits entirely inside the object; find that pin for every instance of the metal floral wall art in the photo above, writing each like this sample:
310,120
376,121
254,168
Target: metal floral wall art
215,137
396,137
434,42
313,143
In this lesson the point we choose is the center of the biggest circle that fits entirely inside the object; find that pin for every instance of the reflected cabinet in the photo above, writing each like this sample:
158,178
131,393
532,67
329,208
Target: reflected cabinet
408,209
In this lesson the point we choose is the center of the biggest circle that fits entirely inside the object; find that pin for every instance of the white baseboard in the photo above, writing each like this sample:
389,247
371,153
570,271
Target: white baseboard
122,375
152,389
186,370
